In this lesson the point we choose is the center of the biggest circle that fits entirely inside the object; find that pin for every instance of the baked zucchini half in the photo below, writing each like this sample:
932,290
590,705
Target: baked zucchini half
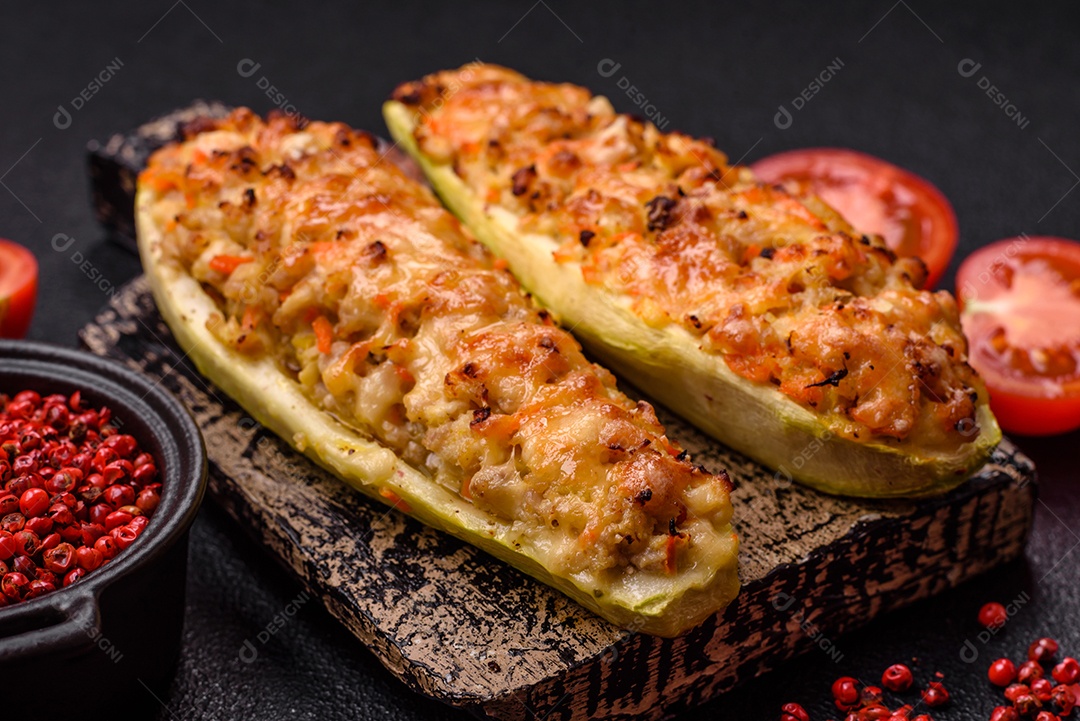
348,312
763,318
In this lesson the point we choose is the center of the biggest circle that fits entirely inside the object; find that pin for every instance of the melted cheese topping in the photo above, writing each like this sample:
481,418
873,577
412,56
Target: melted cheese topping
780,286
392,318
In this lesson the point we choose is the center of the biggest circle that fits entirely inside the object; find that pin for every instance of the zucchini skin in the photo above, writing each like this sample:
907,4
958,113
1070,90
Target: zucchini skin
668,607
751,418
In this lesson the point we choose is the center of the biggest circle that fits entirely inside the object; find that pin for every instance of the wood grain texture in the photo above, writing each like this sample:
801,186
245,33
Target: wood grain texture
456,624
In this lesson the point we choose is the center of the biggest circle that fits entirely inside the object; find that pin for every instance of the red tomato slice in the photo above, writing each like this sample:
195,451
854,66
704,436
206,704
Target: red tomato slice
1021,313
18,289
875,197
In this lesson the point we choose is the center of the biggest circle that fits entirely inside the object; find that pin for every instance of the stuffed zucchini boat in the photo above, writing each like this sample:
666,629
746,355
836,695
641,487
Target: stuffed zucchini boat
763,318
350,313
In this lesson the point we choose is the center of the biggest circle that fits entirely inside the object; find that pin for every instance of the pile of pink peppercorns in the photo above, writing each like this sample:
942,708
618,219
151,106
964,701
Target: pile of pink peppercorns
74,492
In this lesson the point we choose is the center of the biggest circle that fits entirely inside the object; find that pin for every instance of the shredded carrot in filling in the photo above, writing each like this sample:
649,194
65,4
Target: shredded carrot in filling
324,334
227,263
779,286
250,318
395,500
373,299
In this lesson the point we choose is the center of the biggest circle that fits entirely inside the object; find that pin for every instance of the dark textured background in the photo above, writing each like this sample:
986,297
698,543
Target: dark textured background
710,71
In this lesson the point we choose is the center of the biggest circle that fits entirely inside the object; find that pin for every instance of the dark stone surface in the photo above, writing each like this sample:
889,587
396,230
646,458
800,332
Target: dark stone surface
455,625
710,70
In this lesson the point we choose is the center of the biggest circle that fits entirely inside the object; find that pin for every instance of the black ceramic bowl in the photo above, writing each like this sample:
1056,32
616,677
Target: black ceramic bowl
117,630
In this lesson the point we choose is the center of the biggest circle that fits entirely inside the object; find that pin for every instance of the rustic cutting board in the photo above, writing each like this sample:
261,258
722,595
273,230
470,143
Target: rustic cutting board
454,623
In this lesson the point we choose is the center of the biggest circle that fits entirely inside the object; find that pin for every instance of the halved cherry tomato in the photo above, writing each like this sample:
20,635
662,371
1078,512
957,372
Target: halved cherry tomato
1021,313
18,289
875,197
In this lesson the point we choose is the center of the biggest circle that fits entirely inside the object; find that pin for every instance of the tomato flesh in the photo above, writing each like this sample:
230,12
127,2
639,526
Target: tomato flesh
875,196
1021,313
18,289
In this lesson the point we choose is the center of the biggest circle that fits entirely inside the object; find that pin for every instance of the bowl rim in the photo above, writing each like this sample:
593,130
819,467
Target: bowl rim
76,607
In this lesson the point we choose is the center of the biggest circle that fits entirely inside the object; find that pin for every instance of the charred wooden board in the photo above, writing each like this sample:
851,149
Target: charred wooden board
456,624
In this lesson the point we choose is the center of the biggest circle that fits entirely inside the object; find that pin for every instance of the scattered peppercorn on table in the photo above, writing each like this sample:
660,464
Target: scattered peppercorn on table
266,640
812,566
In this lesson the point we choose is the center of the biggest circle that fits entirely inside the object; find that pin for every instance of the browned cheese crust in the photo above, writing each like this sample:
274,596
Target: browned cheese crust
781,287
393,319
